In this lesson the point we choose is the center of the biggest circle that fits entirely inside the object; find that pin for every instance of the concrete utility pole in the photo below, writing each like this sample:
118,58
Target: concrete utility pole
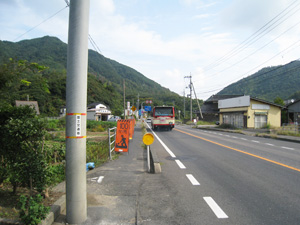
76,95
197,101
191,106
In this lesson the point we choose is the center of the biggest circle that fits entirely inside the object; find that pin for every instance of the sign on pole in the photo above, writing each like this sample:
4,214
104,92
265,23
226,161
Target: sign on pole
122,136
148,108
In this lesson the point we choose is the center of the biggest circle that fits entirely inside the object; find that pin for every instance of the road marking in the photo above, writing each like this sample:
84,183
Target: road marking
180,164
234,137
192,179
237,150
255,141
244,139
163,144
269,144
215,208
288,148
100,179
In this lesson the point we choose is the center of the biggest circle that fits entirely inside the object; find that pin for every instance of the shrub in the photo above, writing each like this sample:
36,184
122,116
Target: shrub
227,126
32,211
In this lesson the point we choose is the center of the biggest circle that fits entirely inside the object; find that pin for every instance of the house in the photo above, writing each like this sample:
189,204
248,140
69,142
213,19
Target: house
249,112
98,112
210,109
33,104
293,112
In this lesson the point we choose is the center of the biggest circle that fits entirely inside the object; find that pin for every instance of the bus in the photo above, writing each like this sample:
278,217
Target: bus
163,117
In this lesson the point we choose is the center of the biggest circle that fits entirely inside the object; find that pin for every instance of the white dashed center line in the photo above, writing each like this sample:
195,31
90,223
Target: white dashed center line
288,148
269,144
215,208
192,179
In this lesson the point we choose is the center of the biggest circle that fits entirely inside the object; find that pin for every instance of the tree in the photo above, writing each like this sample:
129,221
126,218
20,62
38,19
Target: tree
279,101
22,136
17,76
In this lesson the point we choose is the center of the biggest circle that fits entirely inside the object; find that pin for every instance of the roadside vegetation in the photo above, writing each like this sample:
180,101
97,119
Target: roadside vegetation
33,160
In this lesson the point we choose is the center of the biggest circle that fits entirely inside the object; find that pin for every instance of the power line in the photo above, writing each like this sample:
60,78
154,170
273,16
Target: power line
261,74
257,50
40,23
251,39
94,44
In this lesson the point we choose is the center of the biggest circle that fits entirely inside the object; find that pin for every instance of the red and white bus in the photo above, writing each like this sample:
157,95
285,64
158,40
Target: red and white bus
163,117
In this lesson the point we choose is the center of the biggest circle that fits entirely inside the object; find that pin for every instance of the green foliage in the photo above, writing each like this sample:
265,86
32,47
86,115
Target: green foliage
21,78
227,126
279,101
105,78
97,152
22,137
32,211
103,125
56,124
295,95
268,83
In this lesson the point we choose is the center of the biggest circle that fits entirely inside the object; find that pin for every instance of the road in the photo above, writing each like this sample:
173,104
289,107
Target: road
223,178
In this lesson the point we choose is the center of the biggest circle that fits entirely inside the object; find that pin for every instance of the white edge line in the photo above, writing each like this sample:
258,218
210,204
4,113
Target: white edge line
180,164
192,179
215,208
163,144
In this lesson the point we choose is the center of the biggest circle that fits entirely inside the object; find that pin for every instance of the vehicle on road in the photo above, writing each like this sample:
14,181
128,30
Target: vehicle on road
163,117
113,119
148,120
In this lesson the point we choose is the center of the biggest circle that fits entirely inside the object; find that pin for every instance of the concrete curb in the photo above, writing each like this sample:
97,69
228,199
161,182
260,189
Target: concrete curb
154,162
56,209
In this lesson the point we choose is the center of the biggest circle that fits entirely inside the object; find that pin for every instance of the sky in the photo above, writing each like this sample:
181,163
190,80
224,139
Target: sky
216,42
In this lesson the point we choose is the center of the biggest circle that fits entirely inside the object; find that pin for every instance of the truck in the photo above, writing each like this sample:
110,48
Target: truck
163,117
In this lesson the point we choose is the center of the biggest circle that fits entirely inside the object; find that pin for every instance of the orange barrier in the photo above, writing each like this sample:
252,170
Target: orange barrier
122,136
131,131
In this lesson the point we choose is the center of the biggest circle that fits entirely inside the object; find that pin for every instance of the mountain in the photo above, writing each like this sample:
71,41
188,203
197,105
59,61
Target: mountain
105,75
268,83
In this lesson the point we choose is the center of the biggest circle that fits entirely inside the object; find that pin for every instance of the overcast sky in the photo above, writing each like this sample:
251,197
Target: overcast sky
217,42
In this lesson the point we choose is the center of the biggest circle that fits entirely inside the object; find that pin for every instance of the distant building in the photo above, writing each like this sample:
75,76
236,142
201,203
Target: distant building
98,112
33,104
249,112
293,112
210,110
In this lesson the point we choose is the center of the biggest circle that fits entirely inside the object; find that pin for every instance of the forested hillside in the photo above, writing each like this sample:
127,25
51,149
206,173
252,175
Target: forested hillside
105,77
269,83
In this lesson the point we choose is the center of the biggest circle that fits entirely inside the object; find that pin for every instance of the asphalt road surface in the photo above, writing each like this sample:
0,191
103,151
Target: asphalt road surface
223,178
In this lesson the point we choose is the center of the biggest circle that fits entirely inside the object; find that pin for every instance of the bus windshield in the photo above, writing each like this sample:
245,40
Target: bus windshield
163,111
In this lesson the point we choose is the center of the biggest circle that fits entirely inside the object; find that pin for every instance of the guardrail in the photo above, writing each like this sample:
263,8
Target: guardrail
111,140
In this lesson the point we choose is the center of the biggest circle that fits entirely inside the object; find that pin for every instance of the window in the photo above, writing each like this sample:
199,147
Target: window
260,120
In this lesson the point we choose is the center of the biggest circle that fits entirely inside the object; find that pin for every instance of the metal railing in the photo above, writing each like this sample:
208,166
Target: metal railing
111,140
